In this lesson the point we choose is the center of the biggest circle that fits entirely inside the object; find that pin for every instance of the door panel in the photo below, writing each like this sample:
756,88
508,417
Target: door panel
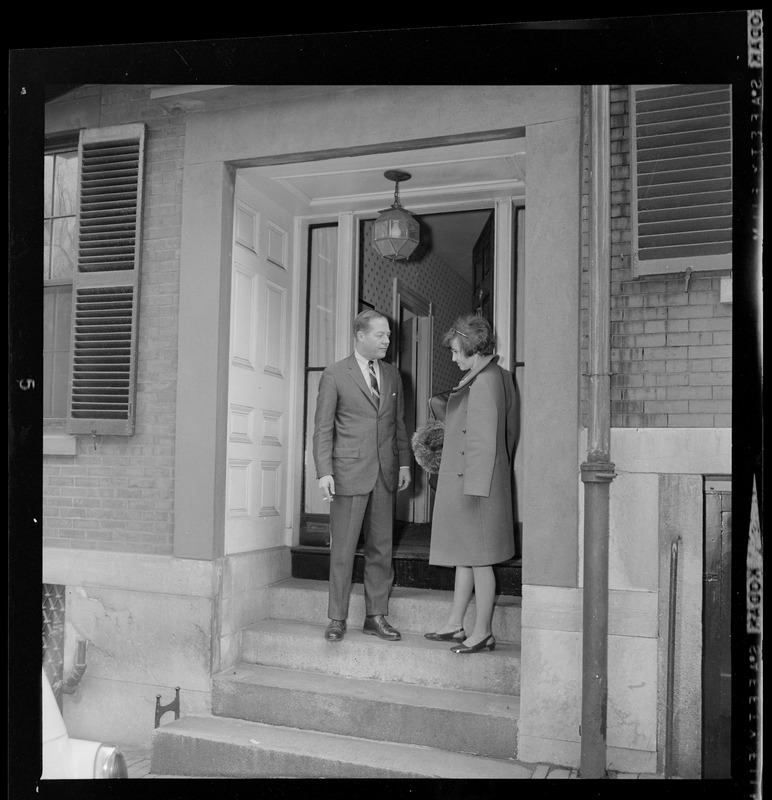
258,383
482,261
405,511
414,320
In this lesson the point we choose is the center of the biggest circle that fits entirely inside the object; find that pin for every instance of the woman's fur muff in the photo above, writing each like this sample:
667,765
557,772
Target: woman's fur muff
427,445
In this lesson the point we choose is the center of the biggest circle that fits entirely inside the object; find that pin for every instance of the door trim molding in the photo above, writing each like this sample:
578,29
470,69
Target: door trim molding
504,280
381,147
404,296
347,277
414,301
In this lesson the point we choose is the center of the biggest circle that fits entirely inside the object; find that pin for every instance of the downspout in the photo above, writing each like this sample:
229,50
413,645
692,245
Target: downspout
597,471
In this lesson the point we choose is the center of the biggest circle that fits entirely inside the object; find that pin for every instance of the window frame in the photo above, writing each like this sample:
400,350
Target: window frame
53,145
104,322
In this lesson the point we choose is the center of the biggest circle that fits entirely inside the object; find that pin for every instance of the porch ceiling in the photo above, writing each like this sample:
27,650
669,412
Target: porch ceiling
451,188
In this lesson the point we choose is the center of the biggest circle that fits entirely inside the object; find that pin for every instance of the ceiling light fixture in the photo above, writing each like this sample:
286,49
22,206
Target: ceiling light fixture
395,233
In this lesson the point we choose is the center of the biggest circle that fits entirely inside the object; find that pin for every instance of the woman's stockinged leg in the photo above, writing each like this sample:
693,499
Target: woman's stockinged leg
484,597
462,594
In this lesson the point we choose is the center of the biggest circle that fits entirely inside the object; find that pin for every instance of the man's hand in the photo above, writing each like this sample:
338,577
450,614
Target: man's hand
404,478
327,485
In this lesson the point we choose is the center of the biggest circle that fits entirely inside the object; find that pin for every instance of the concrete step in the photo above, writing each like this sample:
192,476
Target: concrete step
313,562
223,747
410,610
448,719
414,659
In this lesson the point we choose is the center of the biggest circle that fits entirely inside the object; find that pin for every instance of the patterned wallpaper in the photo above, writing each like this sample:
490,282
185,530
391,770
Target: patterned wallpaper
428,276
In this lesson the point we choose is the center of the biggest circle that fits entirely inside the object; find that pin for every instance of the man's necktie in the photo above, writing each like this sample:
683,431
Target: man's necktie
373,380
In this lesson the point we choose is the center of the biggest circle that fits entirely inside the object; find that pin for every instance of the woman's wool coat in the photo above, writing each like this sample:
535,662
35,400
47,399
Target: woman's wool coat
472,523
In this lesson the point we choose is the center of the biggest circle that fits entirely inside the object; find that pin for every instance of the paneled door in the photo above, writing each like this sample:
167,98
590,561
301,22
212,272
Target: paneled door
259,374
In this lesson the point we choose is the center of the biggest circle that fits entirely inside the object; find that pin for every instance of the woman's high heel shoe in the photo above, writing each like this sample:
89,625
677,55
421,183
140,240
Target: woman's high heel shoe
485,644
453,636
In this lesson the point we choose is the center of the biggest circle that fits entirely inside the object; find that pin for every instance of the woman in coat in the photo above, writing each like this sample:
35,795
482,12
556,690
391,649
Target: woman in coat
472,525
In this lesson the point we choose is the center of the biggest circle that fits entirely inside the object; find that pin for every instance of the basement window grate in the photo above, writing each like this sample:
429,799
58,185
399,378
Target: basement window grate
53,631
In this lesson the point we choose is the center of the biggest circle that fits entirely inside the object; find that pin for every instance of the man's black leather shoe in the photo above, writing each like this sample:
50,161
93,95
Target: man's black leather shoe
378,626
335,630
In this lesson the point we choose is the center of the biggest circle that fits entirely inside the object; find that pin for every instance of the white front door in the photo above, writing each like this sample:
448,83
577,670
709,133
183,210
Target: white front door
259,373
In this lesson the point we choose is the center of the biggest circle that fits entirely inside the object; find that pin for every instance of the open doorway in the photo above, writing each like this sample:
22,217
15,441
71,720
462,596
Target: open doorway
456,253
450,274
456,187
422,297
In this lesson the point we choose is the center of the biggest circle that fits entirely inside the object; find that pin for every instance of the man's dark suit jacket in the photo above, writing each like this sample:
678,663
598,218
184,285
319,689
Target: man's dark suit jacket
354,438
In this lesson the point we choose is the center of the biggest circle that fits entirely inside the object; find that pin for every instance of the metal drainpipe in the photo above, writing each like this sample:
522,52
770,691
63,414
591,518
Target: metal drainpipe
69,685
597,471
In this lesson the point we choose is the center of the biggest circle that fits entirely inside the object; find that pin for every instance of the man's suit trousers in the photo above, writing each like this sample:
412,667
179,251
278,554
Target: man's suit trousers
349,515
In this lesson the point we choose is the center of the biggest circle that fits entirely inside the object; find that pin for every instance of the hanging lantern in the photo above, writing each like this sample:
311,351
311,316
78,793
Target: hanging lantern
396,231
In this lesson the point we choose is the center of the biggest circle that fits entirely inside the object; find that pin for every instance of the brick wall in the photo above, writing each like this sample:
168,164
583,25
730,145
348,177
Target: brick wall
117,493
671,341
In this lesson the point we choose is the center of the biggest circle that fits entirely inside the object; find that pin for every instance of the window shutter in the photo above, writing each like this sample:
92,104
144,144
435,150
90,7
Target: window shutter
106,281
681,143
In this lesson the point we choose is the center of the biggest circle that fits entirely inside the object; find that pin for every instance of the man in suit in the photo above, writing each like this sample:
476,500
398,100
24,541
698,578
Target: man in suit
362,455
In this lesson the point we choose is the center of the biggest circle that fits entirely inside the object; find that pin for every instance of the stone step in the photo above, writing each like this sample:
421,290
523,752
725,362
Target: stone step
313,563
225,747
301,646
410,610
475,723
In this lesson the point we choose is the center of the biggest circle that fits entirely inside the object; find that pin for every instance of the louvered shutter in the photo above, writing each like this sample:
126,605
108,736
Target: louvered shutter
681,144
106,281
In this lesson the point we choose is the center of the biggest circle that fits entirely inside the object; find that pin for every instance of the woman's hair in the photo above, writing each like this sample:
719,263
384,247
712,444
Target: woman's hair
473,334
